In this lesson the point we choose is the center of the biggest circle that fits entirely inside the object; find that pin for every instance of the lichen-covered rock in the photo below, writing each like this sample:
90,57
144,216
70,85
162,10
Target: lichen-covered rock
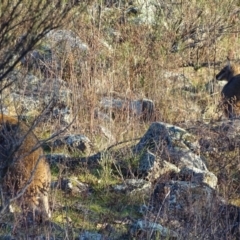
167,149
185,205
86,235
183,199
134,186
152,167
142,109
199,176
71,186
162,134
32,96
73,143
68,38
149,229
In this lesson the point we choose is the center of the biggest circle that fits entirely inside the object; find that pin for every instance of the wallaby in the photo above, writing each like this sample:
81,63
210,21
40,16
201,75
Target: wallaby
24,171
231,91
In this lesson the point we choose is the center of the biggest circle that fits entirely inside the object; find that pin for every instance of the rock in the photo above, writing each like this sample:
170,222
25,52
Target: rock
142,109
73,143
182,158
231,128
176,81
169,142
7,237
107,133
90,236
114,3
220,137
113,35
155,137
79,207
198,176
153,167
73,162
71,185
102,116
161,134
50,59
106,120
182,199
63,114
26,105
148,230
46,89
143,209
167,150
68,38
230,216
32,96
41,59
148,12
54,158
17,77
184,204
134,186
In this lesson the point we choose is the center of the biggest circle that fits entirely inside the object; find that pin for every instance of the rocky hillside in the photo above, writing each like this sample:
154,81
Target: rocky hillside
123,97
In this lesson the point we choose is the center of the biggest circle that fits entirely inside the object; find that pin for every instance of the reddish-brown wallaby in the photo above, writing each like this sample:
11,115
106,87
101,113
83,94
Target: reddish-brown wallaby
24,171
231,91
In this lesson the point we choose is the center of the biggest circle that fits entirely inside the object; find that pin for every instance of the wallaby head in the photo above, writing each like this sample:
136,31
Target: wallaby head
227,72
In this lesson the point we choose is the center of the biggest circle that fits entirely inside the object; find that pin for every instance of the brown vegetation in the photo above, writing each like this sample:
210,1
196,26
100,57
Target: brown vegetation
170,61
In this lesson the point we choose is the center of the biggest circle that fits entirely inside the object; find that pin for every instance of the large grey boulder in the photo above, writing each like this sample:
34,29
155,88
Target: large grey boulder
161,134
32,96
141,108
73,143
167,148
50,58
184,205
68,37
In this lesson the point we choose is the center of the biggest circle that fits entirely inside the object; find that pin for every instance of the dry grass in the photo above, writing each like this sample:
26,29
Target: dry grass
140,62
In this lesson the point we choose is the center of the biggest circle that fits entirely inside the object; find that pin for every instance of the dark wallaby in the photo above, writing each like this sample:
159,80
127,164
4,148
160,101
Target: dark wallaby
231,91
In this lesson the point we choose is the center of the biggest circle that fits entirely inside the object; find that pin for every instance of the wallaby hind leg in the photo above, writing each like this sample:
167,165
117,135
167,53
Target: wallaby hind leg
44,205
